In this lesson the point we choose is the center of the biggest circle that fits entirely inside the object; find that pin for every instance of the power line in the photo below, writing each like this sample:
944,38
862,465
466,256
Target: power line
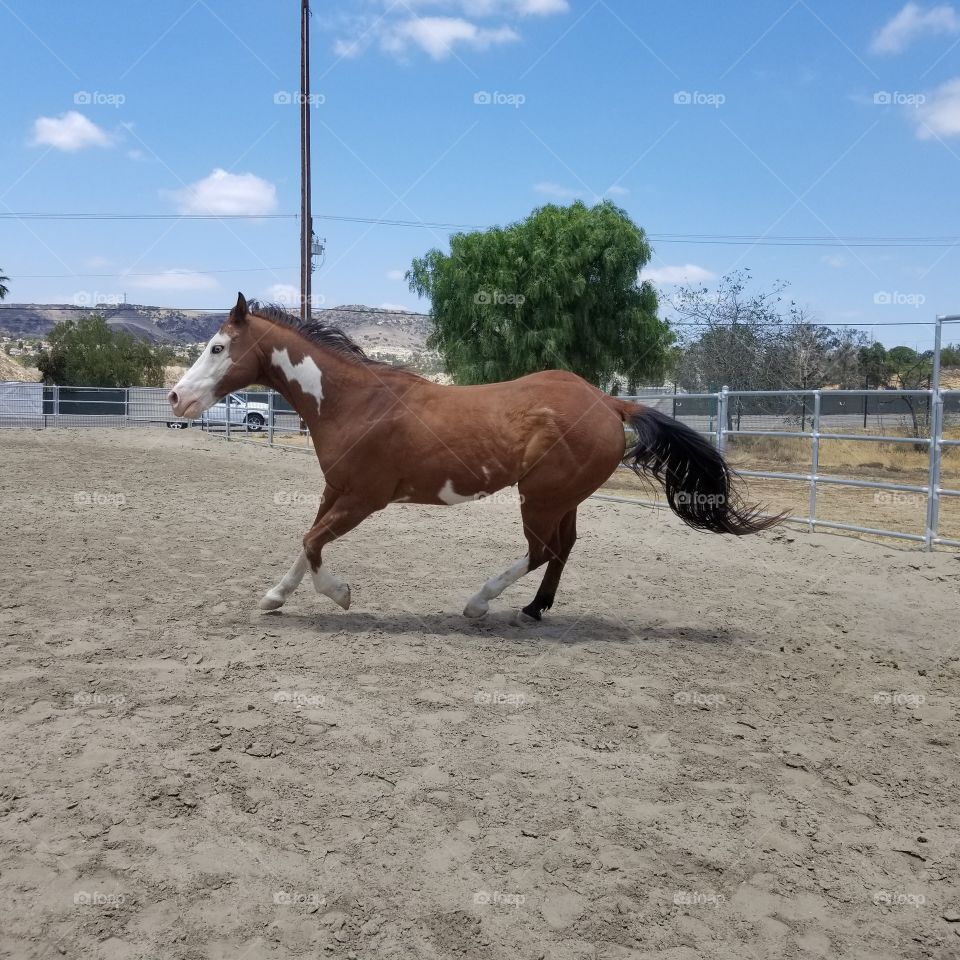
147,216
88,276
209,311
839,242
692,238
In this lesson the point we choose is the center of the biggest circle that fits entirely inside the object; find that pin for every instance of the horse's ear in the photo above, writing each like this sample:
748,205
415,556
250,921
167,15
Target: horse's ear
239,313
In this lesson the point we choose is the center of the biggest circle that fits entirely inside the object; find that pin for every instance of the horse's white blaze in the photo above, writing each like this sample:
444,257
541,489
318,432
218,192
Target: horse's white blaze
306,373
277,597
198,386
479,603
330,586
450,496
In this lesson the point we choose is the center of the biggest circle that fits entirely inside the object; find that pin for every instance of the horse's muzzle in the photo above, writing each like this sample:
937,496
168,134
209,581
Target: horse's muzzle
183,404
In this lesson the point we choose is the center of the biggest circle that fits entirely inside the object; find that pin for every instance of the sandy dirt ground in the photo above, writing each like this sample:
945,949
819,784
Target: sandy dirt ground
709,748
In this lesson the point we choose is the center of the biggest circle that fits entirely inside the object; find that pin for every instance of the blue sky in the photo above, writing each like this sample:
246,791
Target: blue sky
747,119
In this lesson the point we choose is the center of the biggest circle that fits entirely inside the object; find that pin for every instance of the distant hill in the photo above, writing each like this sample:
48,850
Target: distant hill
950,378
10,370
152,323
381,331
376,330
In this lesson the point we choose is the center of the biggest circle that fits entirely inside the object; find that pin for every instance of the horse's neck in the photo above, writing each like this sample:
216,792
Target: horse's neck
317,381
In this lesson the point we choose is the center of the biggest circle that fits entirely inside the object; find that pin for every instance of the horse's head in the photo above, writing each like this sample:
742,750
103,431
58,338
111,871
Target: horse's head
229,362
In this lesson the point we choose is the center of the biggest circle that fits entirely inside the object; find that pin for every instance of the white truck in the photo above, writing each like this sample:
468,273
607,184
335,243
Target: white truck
245,413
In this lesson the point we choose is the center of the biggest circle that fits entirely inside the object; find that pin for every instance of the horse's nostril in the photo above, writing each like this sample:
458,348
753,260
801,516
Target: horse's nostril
173,398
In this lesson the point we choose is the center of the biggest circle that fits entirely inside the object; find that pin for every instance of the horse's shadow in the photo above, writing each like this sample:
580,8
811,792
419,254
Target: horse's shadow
554,628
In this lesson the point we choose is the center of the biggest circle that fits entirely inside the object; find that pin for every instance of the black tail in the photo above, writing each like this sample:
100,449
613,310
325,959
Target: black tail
700,487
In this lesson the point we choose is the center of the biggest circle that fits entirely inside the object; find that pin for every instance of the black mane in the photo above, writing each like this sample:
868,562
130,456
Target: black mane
316,331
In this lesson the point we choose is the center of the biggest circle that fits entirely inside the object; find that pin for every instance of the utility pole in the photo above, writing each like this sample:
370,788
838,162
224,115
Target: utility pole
306,214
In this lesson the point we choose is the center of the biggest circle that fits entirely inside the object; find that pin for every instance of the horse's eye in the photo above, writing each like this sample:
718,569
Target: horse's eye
217,349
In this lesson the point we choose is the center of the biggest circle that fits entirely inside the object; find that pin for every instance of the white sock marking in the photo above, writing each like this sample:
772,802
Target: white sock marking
330,586
277,596
479,603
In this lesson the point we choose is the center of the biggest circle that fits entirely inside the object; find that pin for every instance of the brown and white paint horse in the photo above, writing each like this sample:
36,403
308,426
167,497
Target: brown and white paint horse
385,435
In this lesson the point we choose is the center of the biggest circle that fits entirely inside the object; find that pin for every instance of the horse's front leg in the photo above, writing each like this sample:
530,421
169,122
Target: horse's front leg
342,517
277,596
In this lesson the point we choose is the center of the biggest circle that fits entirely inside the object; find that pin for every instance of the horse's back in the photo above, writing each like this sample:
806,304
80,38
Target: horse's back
557,395
543,382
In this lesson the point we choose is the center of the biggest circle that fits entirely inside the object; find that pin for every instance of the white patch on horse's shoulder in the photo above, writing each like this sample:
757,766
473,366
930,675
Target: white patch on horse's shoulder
450,496
486,472
306,372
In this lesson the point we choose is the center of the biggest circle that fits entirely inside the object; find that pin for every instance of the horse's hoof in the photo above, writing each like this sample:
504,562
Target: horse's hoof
341,596
521,619
476,609
270,601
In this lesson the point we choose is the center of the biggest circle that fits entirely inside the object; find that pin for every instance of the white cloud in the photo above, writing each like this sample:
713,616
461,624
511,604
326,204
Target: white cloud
914,21
348,49
687,273
438,36
559,192
396,274
225,194
70,132
939,115
174,280
285,294
541,8
438,27
555,190
834,260
495,8
394,306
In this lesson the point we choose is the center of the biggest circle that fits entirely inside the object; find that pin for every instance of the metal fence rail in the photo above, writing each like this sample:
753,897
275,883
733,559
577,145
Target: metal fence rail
809,416
735,411
35,405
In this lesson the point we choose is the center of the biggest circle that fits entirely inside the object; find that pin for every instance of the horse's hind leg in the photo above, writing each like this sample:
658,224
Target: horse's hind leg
479,603
541,528
565,539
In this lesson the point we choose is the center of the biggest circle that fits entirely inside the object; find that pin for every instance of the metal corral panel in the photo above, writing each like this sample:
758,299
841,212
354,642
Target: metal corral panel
148,404
21,404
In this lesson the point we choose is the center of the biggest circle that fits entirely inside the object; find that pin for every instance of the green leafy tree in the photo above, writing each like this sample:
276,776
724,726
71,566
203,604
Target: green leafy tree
875,365
88,353
910,370
559,290
845,347
730,334
950,355
4,289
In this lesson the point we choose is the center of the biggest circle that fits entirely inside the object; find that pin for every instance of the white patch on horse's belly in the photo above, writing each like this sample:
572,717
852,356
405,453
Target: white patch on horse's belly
306,373
450,496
